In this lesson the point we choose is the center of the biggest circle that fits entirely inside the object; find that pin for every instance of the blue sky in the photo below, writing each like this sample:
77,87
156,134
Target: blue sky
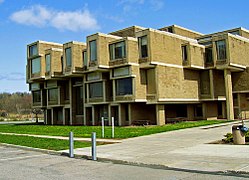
26,21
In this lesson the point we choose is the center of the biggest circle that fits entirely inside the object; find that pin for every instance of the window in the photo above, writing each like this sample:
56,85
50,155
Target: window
96,90
198,111
53,94
117,50
142,41
48,62
209,55
124,86
33,50
170,29
79,100
184,53
84,58
68,57
221,49
93,50
35,65
36,96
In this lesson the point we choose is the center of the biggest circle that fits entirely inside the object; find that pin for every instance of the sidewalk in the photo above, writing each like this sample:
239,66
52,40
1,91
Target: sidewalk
184,149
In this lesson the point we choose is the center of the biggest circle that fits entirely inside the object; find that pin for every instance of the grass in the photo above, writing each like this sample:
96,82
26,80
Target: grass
42,143
85,131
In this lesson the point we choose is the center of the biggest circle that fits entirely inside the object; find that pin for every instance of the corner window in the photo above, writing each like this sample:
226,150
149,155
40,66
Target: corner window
142,42
124,86
184,53
93,50
221,49
117,50
48,62
68,57
84,58
33,50
96,90
35,65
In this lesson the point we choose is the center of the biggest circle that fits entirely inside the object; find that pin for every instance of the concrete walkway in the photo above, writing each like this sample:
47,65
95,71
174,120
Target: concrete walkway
184,149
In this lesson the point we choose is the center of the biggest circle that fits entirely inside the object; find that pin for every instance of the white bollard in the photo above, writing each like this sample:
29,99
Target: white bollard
71,145
112,127
94,157
103,127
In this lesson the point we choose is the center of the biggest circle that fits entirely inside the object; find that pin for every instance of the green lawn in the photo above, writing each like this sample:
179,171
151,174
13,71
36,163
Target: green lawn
85,131
42,143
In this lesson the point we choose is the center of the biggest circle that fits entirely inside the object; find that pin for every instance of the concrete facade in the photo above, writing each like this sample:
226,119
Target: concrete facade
141,75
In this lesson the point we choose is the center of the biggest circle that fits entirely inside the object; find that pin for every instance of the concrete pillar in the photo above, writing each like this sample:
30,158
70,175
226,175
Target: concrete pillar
229,94
190,112
71,101
160,114
93,115
119,116
129,114
211,78
52,116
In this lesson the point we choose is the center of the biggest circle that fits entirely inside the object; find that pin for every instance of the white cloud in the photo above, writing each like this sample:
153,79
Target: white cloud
74,21
36,15
131,5
156,4
41,16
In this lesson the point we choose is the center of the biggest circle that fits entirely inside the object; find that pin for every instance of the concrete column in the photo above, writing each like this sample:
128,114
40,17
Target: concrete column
229,94
129,113
160,114
52,116
64,116
211,78
119,115
71,101
109,115
93,116
190,112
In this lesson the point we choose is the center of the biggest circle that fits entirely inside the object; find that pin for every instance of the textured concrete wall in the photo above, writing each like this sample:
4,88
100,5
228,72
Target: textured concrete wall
241,80
177,83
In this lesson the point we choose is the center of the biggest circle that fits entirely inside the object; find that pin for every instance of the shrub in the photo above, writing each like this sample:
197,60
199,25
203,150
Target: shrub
229,137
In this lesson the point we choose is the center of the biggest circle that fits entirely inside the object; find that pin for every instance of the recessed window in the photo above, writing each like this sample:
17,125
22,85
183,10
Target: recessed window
184,53
93,50
117,50
79,100
68,57
209,55
221,49
124,86
35,65
96,90
48,62
85,58
53,94
142,41
36,96
33,50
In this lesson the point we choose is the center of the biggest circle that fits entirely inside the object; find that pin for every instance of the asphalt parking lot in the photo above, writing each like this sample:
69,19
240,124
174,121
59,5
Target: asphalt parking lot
18,163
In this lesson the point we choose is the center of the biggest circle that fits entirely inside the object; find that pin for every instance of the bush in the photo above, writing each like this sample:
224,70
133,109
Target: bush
229,137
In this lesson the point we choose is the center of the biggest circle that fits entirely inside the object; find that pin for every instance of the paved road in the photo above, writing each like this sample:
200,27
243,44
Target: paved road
184,149
22,164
